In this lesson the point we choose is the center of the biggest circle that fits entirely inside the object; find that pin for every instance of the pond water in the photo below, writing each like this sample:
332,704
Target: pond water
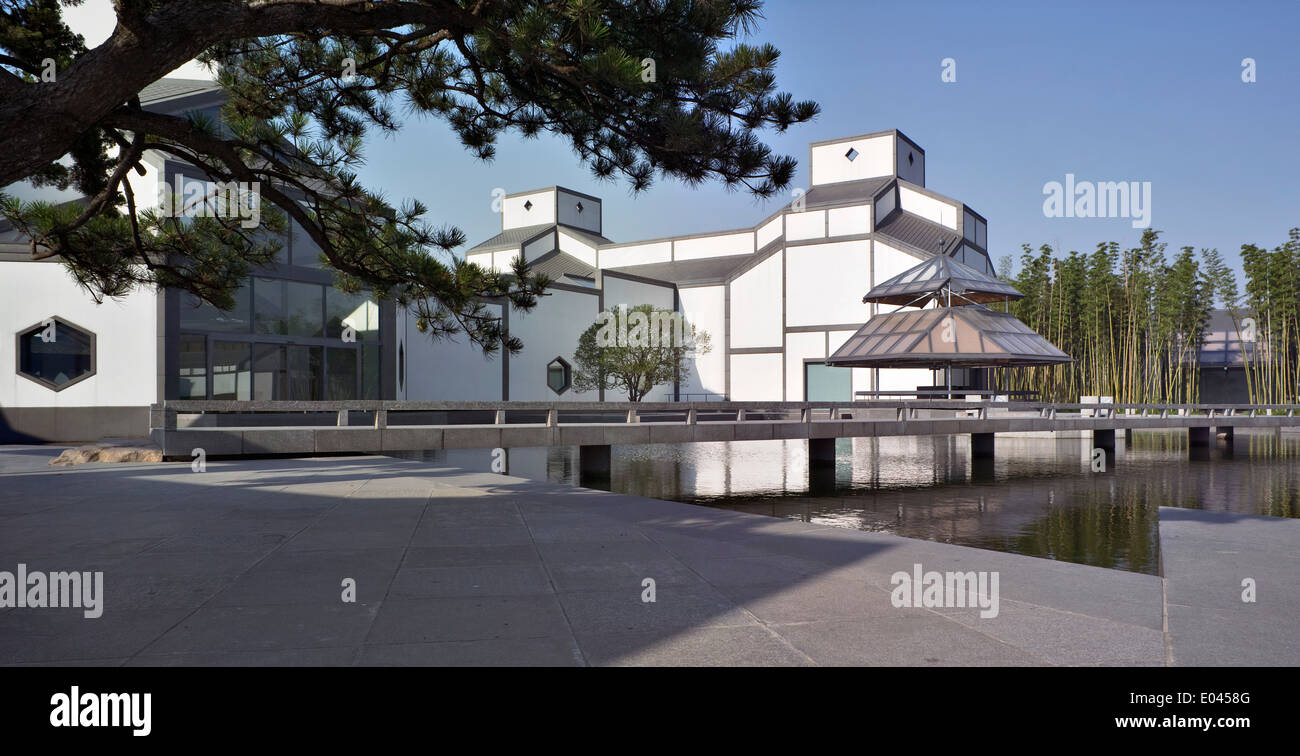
1039,496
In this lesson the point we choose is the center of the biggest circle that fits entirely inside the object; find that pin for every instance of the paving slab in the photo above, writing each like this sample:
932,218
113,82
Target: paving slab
1205,558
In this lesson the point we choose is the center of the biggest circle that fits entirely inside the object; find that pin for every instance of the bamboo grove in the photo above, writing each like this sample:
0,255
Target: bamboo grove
1134,319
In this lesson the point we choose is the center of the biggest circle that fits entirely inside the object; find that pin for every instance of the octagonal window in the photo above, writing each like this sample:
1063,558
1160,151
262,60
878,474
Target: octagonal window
56,353
558,375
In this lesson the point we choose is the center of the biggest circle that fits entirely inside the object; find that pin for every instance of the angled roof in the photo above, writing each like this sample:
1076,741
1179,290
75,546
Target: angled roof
845,192
510,239
556,265
925,235
513,237
592,238
974,337
935,275
164,90
702,270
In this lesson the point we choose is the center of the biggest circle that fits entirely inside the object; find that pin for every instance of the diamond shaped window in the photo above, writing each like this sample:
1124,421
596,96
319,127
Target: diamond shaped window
852,154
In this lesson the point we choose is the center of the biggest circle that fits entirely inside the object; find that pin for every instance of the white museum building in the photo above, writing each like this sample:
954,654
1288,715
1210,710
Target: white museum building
777,299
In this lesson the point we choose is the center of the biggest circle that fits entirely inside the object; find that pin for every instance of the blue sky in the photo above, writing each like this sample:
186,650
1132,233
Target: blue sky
1108,91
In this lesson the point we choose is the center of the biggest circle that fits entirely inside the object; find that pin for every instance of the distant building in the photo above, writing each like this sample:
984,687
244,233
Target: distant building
1222,361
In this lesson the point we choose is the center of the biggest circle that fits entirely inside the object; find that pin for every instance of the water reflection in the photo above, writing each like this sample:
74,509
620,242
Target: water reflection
1039,496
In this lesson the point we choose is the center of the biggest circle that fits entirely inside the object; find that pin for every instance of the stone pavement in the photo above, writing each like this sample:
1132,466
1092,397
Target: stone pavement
1205,558
243,565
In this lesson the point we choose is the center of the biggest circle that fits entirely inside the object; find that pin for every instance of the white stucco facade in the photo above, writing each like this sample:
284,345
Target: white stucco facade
776,298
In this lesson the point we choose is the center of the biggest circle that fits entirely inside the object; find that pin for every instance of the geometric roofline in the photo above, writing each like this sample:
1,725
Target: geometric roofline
946,336
935,278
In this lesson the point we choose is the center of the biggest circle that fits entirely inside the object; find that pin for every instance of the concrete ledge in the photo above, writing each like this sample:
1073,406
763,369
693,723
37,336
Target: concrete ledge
825,429
756,431
411,439
277,441
471,437
517,436
182,443
333,440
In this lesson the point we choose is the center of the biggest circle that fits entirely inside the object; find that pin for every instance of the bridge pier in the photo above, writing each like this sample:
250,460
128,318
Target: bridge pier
594,464
821,452
821,466
981,445
1198,437
1103,439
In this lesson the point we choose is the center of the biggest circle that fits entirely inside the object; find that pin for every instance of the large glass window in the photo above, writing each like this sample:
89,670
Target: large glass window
341,373
303,372
370,371
268,306
306,252
824,383
56,354
351,314
304,309
269,375
231,377
197,315
193,382
336,354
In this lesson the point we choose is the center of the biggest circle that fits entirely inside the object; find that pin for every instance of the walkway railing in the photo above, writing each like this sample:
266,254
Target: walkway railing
382,414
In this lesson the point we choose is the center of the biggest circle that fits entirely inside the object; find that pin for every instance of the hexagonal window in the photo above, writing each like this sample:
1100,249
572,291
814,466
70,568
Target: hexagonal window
559,376
56,353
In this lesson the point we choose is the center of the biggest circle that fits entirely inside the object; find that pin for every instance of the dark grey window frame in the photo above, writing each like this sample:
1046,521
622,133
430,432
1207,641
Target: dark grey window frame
568,375
18,353
252,338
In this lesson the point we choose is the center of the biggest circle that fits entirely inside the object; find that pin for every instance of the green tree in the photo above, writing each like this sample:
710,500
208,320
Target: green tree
636,349
639,89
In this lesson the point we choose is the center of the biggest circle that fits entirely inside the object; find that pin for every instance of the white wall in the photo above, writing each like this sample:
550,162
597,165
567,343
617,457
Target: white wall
588,219
513,214
755,377
905,379
705,307
928,207
848,221
756,317
714,246
809,225
446,369
797,347
125,331
636,254
578,248
825,283
768,231
875,158
890,261
551,330
632,293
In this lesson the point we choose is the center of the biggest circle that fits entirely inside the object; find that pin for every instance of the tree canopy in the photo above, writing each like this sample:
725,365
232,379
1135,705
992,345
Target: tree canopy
636,349
641,89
